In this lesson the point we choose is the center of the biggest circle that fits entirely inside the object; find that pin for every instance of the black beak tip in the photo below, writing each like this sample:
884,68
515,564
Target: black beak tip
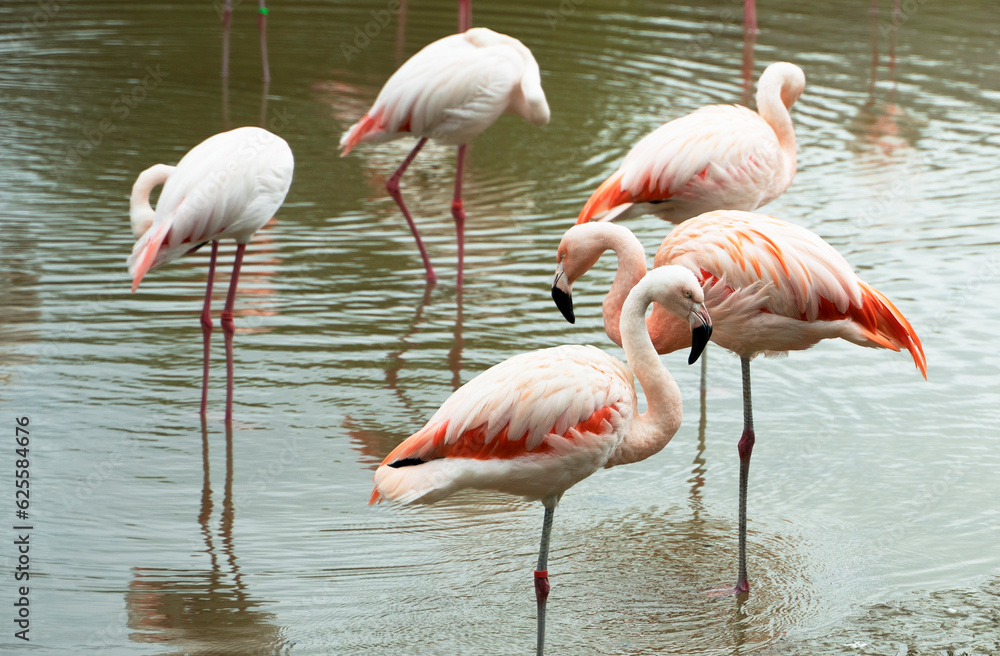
565,304
699,340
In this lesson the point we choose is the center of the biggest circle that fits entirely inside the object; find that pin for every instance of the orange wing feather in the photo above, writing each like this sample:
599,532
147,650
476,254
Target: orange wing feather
429,443
608,196
149,252
882,322
367,125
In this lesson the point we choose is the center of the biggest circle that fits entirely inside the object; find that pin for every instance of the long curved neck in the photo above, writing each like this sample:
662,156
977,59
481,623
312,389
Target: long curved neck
631,269
140,210
653,429
774,111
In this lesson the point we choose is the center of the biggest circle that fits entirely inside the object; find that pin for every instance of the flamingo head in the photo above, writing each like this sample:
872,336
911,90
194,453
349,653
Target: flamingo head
680,293
578,252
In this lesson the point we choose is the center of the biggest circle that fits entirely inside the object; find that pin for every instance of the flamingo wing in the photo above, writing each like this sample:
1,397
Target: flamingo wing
228,186
727,154
798,270
450,91
534,405
787,271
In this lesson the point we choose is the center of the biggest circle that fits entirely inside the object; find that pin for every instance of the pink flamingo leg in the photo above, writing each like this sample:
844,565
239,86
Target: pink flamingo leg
206,325
262,24
464,15
542,577
745,449
458,212
227,19
392,186
228,328
749,16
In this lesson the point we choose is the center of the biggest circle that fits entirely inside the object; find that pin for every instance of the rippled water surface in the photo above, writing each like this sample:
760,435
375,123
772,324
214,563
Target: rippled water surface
874,516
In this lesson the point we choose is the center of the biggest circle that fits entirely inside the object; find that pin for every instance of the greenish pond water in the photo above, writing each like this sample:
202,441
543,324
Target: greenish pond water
874,496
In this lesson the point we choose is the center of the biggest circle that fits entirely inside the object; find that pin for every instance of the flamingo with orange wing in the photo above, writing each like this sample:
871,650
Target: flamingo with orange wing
770,286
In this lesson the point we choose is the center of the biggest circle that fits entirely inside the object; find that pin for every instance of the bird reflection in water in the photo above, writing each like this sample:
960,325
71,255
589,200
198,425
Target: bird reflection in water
374,445
204,612
883,130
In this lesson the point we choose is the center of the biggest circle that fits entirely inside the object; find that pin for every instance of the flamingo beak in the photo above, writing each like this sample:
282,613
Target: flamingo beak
701,331
562,294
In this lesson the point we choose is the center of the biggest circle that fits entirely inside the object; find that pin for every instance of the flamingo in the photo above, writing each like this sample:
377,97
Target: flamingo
226,187
720,156
540,422
771,287
451,91
227,19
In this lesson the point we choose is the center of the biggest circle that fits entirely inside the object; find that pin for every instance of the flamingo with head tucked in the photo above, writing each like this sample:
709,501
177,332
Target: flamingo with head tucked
226,187
451,91
540,422
720,156
770,286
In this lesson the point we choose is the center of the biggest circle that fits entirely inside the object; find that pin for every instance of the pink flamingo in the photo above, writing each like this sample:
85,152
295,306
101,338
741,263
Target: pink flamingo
720,156
227,20
451,91
226,187
771,287
540,422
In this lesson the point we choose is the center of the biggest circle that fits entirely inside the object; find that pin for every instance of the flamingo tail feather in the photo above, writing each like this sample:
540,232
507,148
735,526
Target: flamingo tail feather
357,132
608,196
145,254
884,320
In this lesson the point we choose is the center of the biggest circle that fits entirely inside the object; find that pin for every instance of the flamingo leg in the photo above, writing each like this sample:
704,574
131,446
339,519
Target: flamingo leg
227,19
745,449
228,328
206,325
262,24
750,16
542,577
704,374
464,15
392,186
458,212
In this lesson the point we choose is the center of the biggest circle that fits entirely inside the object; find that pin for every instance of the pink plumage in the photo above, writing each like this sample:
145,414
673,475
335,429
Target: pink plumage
538,423
531,426
451,91
771,287
226,187
718,157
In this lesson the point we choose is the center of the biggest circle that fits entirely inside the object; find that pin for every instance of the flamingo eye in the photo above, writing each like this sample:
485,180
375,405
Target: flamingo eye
687,294
562,255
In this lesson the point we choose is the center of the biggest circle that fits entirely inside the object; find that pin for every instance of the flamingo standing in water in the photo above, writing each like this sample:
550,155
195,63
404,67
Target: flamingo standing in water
226,187
720,156
540,422
771,287
451,91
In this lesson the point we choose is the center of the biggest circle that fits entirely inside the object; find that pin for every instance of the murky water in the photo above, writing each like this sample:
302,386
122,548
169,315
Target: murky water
874,516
